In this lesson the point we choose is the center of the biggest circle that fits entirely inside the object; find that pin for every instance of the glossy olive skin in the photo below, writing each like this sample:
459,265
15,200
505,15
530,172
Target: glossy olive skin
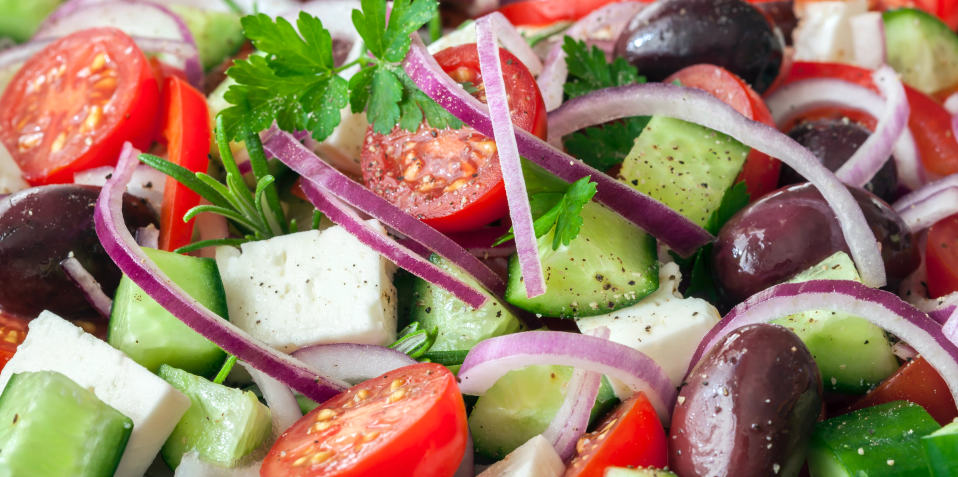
669,35
782,13
749,407
39,228
833,143
784,233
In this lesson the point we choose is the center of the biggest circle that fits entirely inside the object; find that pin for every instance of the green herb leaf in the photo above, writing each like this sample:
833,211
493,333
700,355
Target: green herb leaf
589,71
734,200
406,17
385,95
559,211
608,145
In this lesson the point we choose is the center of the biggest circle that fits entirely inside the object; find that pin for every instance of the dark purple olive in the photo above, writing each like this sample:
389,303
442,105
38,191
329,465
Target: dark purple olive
749,407
782,14
833,143
40,227
792,229
669,35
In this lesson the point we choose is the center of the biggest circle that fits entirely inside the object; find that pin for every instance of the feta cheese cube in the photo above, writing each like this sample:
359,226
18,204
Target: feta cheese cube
11,178
535,458
310,288
53,344
824,32
664,326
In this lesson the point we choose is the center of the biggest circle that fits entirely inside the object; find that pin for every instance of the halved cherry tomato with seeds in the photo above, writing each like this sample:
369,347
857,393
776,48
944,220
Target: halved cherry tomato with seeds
917,382
409,422
73,105
544,12
941,257
448,178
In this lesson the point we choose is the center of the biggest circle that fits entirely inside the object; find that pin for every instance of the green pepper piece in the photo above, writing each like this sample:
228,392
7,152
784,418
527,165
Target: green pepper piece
941,450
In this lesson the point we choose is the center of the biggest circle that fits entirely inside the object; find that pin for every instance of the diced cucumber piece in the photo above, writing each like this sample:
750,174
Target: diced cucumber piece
56,428
922,49
222,425
460,326
625,472
151,336
612,264
21,18
685,166
941,450
883,440
218,34
522,404
852,354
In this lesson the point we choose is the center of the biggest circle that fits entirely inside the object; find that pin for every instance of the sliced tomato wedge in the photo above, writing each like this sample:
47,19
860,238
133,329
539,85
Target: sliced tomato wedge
760,172
941,257
929,122
73,105
409,422
629,436
915,382
12,333
545,12
186,132
451,179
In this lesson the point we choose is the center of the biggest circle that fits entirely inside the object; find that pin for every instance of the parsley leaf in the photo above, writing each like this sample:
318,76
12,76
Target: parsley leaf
589,71
608,145
561,211
734,200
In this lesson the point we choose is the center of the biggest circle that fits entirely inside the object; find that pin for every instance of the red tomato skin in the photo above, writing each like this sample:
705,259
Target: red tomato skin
941,257
186,132
544,12
137,125
432,446
760,172
917,382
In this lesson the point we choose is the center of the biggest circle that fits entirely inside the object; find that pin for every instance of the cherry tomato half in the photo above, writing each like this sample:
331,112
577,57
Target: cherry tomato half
760,172
409,422
631,435
941,257
915,382
73,105
12,333
544,12
451,179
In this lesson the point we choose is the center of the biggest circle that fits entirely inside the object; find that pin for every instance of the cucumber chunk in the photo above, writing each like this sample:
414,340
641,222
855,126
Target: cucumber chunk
625,472
522,404
941,450
218,34
612,264
922,49
852,354
876,441
685,166
21,18
460,326
57,428
151,336
223,424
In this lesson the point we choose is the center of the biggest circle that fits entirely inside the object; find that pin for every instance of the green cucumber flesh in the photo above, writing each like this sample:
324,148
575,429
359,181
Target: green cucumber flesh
218,34
56,428
21,18
685,166
223,424
941,451
922,49
612,264
151,336
852,354
522,404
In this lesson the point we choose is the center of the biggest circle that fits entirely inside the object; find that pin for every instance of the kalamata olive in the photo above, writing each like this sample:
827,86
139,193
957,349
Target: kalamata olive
42,226
784,233
833,143
669,35
749,407
782,13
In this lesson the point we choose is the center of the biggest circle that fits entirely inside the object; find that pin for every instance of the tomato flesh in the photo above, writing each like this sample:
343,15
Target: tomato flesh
409,422
544,12
630,435
73,104
451,179
941,257
915,382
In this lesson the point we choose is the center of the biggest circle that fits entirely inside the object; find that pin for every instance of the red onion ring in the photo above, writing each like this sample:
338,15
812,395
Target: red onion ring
924,213
120,246
493,358
88,285
793,99
353,363
926,191
291,152
504,134
868,38
283,407
700,107
672,228
878,307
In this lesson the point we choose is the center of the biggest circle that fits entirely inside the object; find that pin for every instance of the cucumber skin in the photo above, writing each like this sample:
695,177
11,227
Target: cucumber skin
151,336
922,49
611,265
218,34
47,410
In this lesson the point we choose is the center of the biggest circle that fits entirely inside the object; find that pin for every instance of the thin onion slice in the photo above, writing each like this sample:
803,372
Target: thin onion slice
88,285
192,466
504,134
926,191
793,99
927,212
291,152
572,418
881,308
493,358
697,106
868,40
467,466
123,250
514,42
672,228
353,363
343,215
283,407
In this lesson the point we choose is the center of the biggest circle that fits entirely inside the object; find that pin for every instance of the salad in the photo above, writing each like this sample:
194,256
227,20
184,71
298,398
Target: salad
528,238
